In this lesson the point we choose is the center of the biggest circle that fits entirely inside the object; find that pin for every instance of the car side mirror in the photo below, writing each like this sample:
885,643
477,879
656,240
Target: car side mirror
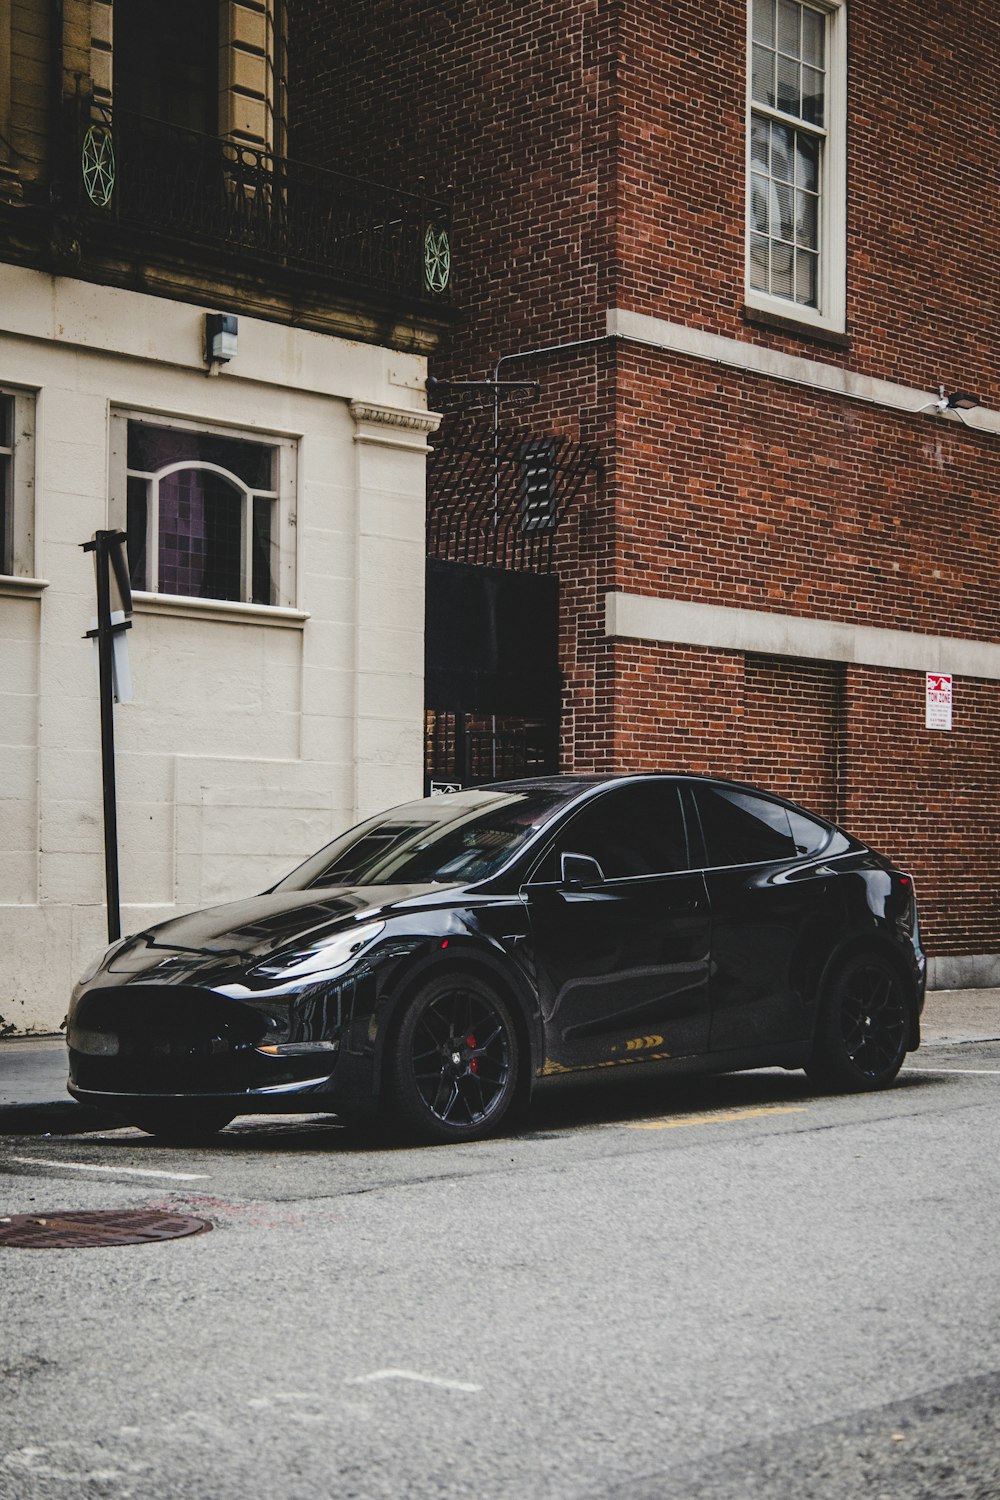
580,869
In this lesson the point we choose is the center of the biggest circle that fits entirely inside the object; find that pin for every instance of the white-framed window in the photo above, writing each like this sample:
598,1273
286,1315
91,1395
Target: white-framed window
17,483
208,511
796,159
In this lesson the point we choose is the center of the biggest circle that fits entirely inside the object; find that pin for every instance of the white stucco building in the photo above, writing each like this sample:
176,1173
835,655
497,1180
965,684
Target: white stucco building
274,503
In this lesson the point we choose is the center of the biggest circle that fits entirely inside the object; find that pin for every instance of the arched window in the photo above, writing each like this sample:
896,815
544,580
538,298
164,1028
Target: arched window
203,517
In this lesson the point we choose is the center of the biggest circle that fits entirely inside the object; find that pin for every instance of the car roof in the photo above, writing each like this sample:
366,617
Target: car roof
586,780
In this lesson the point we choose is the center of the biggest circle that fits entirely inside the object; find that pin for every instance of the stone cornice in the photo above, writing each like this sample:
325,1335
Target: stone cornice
393,426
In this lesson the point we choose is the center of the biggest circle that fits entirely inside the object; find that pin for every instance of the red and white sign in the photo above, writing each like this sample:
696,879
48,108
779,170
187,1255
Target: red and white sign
939,700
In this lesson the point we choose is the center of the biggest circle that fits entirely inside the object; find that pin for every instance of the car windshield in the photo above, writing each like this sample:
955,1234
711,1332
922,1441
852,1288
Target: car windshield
452,839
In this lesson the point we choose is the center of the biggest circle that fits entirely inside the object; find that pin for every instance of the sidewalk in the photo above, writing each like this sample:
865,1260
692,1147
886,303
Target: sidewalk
33,1097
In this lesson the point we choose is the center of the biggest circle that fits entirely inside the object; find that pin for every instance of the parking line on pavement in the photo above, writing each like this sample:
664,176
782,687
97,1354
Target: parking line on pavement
985,1072
438,1380
667,1123
80,1166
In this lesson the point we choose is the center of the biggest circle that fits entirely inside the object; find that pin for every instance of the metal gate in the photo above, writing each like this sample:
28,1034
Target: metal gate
492,676
496,499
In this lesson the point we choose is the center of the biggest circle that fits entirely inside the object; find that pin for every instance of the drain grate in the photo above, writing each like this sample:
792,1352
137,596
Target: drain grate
81,1230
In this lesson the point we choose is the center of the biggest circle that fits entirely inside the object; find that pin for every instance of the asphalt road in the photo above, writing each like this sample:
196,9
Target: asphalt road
712,1289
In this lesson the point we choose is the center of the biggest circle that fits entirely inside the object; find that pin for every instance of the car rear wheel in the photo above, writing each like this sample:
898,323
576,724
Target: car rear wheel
455,1059
181,1124
863,1027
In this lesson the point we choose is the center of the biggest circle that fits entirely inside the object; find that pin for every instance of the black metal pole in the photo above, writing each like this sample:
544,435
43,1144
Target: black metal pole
101,546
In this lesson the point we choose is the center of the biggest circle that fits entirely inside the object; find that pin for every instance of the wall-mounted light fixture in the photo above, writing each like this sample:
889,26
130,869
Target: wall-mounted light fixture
957,402
220,338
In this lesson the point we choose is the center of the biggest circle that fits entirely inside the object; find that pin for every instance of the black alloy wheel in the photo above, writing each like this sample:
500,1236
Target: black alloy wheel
454,1061
183,1123
863,1027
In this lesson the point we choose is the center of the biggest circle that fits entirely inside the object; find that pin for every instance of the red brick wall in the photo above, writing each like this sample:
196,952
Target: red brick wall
736,489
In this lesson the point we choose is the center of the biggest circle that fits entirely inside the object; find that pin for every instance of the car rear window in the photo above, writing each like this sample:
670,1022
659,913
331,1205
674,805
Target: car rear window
742,829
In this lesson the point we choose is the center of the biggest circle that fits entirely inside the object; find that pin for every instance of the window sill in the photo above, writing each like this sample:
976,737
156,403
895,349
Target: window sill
14,587
796,327
229,611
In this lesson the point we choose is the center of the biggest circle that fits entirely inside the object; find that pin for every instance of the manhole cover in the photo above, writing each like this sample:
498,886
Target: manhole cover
79,1231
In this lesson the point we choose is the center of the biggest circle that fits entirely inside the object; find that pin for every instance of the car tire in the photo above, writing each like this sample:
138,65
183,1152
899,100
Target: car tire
454,1060
863,1027
181,1124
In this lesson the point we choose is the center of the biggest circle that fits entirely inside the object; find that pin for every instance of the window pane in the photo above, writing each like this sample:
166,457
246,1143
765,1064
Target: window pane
806,161
265,556
813,38
762,82
763,21
759,257
812,96
635,830
782,269
153,448
783,152
742,829
788,27
136,521
806,220
6,485
809,835
201,536
788,86
6,516
782,199
806,278
759,134
759,189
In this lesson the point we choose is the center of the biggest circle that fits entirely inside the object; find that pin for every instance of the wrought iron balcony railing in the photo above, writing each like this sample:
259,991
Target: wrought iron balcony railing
181,186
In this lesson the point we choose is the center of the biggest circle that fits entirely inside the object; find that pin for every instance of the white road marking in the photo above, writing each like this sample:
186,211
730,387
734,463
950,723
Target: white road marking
79,1166
445,1385
985,1072
668,1122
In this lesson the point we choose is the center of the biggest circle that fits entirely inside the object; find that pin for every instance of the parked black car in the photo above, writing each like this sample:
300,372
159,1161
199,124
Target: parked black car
444,959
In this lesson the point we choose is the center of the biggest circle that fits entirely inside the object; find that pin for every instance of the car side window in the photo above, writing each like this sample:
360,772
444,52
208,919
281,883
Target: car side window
810,836
633,830
741,829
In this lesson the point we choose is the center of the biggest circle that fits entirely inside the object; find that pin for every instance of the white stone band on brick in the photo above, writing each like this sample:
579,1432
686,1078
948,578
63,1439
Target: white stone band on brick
758,359
719,627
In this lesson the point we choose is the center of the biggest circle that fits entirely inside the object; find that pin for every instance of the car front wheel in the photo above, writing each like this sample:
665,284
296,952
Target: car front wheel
455,1059
863,1027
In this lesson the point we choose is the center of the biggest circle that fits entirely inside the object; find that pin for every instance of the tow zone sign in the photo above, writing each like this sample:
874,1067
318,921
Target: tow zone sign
938,700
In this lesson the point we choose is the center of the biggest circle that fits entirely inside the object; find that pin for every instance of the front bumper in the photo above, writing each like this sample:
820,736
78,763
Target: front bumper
144,1043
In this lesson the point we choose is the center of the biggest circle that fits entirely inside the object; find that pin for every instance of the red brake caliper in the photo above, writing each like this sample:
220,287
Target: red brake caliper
470,1041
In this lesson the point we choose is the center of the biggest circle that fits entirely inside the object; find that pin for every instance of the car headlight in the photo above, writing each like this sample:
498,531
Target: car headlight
99,960
328,954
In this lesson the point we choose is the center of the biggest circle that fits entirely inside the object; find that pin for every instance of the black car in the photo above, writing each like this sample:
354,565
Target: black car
441,961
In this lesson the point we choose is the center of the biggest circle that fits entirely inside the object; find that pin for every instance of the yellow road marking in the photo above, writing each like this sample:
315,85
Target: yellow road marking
736,1114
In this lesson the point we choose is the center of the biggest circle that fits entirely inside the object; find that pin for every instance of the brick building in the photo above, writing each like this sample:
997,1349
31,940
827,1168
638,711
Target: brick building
755,243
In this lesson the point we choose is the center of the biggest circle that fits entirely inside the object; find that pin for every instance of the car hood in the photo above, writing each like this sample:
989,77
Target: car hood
244,933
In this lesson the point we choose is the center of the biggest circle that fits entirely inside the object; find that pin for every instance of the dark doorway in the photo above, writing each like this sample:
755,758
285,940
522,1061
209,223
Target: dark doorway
493,687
